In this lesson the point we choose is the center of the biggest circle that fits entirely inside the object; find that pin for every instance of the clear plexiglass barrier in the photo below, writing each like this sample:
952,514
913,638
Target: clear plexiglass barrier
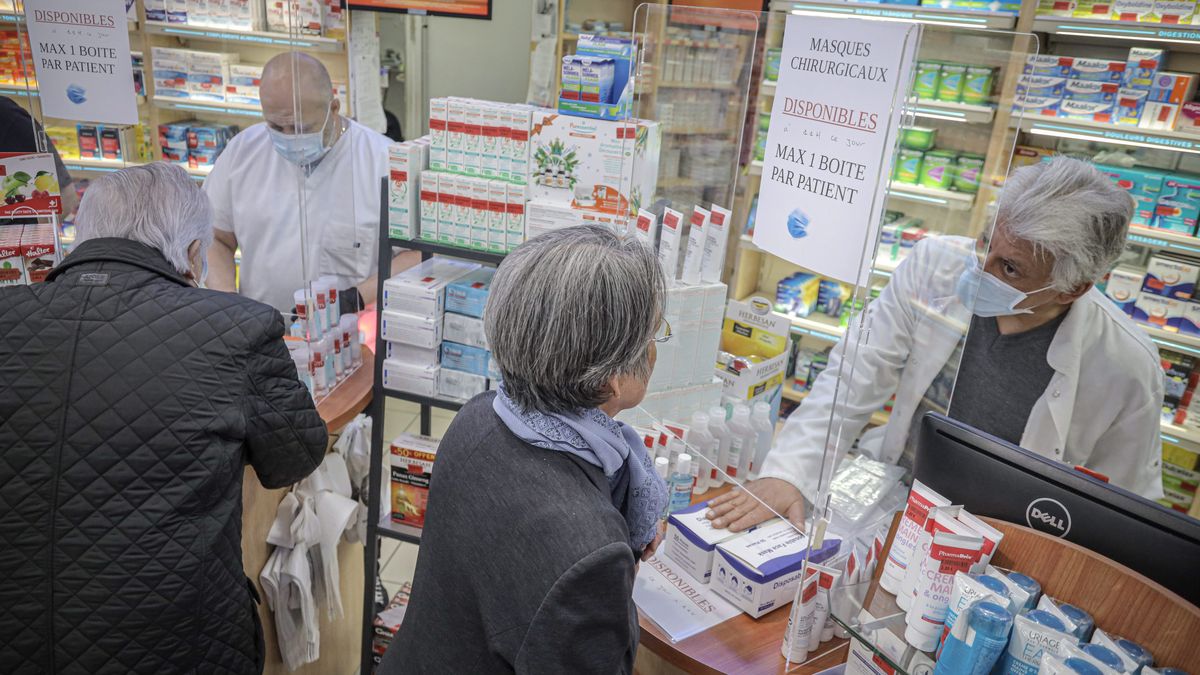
870,155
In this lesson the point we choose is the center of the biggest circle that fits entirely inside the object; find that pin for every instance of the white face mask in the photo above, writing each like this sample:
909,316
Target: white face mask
301,149
988,296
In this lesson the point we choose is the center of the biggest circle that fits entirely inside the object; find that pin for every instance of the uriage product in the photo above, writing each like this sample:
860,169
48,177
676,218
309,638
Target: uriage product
1130,105
473,138
1133,10
1098,70
437,133
1048,65
1141,67
480,214
420,289
671,240
520,125
428,230
920,500
411,329
468,294
759,570
1157,310
1123,287
645,227
466,358
412,459
694,256
493,129
716,238
465,330
497,216
517,196
570,78
462,211
460,385
1171,277
456,134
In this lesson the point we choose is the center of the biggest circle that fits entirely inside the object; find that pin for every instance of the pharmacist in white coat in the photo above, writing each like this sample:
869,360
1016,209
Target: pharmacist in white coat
1050,363
305,163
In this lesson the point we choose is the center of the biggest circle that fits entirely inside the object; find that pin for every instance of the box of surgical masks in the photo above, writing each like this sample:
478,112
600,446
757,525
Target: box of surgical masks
465,330
468,294
411,353
1171,277
414,378
1156,310
1123,287
691,540
421,289
759,571
465,358
456,384
411,329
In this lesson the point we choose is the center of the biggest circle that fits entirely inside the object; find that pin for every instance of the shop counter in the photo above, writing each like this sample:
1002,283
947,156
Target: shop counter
341,639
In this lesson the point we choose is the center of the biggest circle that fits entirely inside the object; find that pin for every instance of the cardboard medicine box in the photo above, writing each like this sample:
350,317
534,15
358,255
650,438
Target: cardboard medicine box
411,329
1156,310
468,294
414,378
1171,277
750,328
420,290
463,386
759,571
691,541
1123,287
412,460
12,262
465,330
465,358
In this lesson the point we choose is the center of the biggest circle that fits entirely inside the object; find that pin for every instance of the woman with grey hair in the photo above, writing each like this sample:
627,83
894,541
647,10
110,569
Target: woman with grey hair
130,399
541,503
1049,362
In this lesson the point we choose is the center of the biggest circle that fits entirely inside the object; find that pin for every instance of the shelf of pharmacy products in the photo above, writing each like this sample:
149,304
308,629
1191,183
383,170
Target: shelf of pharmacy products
1164,240
16,90
192,105
878,419
254,38
1119,30
1110,133
938,110
486,257
443,403
934,16
954,201
110,165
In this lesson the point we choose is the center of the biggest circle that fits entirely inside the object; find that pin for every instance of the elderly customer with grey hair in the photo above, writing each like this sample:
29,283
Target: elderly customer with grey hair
541,504
1048,363
130,399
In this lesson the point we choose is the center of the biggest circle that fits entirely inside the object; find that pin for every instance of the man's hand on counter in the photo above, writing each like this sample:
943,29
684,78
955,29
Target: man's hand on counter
739,509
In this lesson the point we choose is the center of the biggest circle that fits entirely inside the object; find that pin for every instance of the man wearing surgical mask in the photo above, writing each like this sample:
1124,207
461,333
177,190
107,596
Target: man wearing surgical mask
304,164
1049,363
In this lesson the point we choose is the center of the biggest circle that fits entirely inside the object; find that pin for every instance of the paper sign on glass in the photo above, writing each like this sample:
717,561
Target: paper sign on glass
81,54
838,104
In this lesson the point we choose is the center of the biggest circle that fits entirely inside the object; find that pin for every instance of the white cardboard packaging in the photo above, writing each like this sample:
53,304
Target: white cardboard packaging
411,329
462,211
413,378
758,572
466,330
691,541
716,238
243,87
472,137
480,215
456,134
668,247
407,353
694,257
170,72
437,133
428,229
497,208
420,289
457,384
404,170
447,187
208,74
517,214
517,143
489,142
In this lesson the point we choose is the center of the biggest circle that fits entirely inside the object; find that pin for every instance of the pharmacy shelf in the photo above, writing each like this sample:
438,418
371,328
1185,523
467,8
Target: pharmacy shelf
486,257
255,38
1164,240
1180,436
708,86
934,16
97,165
878,419
954,201
191,105
1111,133
443,403
1172,340
938,110
820,327
1118,30
15,90
9,17
405,533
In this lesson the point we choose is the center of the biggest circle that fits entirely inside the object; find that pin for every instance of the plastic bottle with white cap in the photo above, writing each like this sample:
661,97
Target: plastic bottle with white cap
302,307
720,431
705,445
743,441
333,305
349,324
681,483
320,298
302,357
760,419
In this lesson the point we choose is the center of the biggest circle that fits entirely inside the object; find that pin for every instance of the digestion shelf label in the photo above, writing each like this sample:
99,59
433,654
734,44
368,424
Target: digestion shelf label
81,54
836,112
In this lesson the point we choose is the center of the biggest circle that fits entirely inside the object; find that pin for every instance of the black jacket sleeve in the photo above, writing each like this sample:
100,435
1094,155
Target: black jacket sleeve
285,437
587,623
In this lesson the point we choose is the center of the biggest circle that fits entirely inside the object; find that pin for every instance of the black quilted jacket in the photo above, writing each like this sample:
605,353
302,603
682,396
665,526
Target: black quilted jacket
129,404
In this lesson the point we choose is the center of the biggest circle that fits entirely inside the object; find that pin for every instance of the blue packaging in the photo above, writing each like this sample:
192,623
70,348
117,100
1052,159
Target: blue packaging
1145,186
977,647
1089,90
1028,105
1084,624
1130,104
465,358
829,297
1048,65
1188,322
469,294
1178,206
1102,654
1142,65
1029,585
1098,70
1041,85
1033,633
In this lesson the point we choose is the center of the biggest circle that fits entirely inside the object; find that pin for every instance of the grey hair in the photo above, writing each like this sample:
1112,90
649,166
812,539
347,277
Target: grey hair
1069,210
568,311
157,204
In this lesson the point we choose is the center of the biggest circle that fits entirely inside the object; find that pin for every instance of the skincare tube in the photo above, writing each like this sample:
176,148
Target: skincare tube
920,499
645,228
302,357
828,576
991,539
349,324
335,348
668,246
1018,597
1108,661
978,642
1084,624
851,579
695,247
949,553
968,589
1034,633
1048,605
1132,654
331,357
320,380
662,466
800,621
716,239
941,519
1054,665
1029,585
301,310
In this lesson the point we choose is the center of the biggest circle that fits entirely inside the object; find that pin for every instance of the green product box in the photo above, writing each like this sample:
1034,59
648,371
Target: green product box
917,138
771,66
908,169
929,76
977,85
966,174
937,169
760,146
764,121
950,89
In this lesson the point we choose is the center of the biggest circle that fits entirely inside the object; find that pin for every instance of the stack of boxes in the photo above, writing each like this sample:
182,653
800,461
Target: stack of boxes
16,59
467,366
387,623
193,143
1174,12
1165,297
1181,477
244,81
27,253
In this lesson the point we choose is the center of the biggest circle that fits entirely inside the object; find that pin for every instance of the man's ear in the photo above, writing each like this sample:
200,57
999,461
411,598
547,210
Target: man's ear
1077,293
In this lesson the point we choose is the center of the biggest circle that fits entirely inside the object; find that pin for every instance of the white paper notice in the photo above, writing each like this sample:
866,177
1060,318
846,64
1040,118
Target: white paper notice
829,149
675,602
81,55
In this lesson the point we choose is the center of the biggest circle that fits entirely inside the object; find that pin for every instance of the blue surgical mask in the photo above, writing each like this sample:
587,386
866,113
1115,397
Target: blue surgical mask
988,296
301,149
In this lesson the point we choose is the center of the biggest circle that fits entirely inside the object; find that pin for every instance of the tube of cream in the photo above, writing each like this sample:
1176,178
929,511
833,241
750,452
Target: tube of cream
828,576
991,539
1048,605
1033,634
949,554
1018,597
850,580
645,228
1084,624
1031,586
695,246
976,645
1103,658
968,589
1054,665
880,539
920,499
800,621
668,247
941,519
1132,654
716,239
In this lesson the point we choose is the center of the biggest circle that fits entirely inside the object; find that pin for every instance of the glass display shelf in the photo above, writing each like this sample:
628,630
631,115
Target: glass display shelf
876,622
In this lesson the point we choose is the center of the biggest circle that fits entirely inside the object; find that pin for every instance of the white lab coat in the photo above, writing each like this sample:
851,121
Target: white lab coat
256,194
1101,409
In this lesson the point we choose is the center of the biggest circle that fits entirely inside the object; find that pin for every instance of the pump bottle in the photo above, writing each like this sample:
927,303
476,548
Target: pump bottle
704,443
742,443
720,431
761,420
681,483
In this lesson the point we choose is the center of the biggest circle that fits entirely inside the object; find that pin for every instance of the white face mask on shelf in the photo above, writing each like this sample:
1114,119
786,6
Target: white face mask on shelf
988,296
301,149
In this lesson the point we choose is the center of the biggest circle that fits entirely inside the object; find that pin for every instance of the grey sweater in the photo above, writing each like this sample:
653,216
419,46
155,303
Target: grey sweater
525,564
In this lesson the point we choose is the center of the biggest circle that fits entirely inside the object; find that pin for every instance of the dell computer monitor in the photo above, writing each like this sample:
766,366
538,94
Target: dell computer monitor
994,478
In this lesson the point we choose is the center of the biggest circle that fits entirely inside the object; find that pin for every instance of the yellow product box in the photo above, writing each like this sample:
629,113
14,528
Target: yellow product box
1180,457
758,339
412,458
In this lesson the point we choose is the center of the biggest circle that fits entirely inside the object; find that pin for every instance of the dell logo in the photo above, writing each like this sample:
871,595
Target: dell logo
1049,516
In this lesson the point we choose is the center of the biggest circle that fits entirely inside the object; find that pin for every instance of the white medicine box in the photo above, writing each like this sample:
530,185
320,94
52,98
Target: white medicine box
420,289
759,571
691,540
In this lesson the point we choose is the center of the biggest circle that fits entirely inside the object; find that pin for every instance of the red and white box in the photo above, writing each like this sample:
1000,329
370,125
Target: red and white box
28,185
12,263
39,251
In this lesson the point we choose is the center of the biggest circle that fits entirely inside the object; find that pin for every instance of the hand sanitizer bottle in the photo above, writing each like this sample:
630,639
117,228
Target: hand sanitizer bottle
742,442
681,484
717,427
761,420
704,443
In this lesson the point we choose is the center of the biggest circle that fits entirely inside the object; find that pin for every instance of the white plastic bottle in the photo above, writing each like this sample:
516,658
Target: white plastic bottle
742,442
720,431
681,484
760,419
706,445
662,466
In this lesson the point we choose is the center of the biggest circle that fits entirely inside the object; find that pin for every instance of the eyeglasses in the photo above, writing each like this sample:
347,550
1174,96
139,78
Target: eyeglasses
663,333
